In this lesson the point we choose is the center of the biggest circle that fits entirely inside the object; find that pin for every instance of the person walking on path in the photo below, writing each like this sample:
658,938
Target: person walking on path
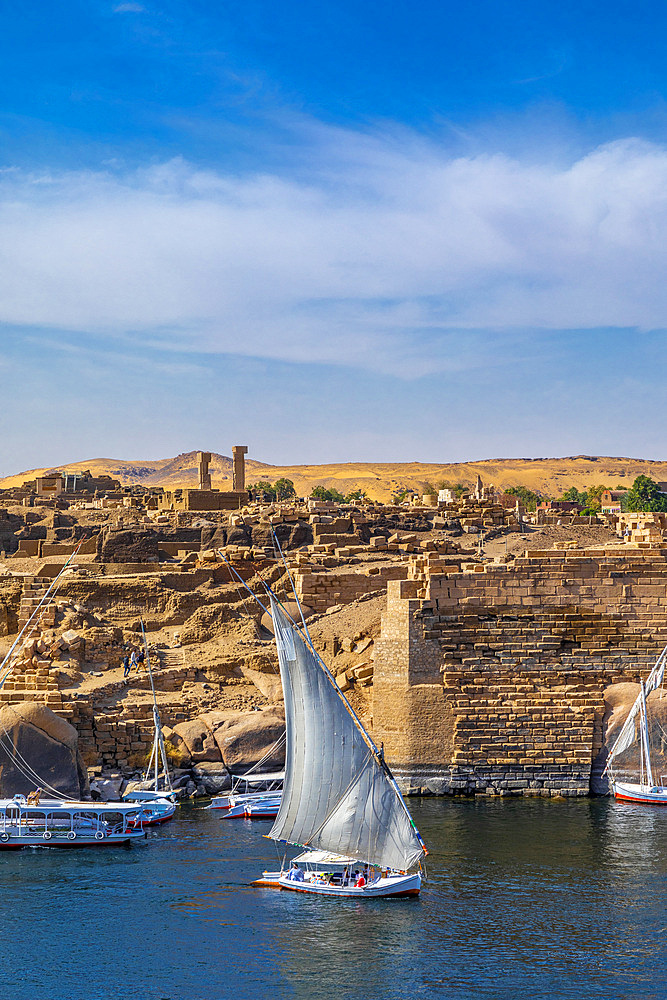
133,659
126,665
141,656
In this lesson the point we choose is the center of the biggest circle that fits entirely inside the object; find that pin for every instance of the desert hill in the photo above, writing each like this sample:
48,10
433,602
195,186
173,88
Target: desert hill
550,476
167,472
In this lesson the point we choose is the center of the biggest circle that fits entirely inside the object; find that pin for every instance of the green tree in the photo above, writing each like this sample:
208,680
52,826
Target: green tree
322,493
644,495
594,504
355,496
264,487
574,496
528,498
284,489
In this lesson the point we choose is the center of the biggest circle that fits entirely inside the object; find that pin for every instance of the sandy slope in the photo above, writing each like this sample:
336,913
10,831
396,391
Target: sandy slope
549,475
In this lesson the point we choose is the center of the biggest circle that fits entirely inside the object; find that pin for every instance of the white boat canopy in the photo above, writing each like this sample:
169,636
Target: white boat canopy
338,795
324,858
258,779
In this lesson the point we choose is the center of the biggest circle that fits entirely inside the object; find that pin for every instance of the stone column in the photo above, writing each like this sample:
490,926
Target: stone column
204,457
239,451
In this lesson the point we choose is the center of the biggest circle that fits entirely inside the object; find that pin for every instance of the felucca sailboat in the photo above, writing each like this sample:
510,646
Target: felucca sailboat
340,802
636,730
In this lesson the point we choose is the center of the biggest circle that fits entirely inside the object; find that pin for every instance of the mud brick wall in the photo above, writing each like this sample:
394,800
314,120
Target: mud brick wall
493,680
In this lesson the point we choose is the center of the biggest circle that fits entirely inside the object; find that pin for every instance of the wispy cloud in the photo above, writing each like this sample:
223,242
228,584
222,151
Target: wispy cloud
129,8
382,251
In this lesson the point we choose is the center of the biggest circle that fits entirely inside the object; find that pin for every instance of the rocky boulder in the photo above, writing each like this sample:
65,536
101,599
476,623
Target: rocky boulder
33,733
236,740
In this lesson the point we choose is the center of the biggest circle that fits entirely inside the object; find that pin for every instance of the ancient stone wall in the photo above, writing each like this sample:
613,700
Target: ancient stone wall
493,679
322,590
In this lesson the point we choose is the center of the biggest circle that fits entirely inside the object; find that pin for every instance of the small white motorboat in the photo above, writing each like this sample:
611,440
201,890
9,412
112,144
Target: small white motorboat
249,787
156,806
253,806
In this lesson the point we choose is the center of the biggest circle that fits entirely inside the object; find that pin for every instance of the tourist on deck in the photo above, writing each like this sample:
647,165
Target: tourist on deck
295,873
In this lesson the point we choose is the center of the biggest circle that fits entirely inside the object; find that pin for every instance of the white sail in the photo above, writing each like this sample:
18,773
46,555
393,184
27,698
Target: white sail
338,796
628,733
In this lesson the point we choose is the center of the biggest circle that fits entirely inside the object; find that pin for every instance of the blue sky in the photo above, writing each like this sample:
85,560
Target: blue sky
337,232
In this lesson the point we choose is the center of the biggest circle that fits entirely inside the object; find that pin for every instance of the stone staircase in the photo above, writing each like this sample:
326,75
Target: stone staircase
171,658
34,589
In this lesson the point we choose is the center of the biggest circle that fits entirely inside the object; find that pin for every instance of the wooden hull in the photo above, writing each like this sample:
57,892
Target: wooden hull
641,794
392,886
269,880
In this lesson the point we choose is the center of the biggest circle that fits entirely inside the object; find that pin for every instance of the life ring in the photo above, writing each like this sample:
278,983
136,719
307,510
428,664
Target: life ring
4,837
99,835
71,835
47,835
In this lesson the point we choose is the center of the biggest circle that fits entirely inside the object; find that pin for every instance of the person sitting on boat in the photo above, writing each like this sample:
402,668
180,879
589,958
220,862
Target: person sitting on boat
295,873
34,797
360,881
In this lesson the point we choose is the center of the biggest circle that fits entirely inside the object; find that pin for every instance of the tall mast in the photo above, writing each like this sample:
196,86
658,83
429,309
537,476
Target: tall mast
646,750
159,753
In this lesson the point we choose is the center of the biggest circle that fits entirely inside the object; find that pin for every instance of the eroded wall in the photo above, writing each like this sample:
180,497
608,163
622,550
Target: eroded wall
493,680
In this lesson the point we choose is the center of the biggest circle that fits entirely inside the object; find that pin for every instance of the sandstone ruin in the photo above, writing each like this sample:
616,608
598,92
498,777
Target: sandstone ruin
484,665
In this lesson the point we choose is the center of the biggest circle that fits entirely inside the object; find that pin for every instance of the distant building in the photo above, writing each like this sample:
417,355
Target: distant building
58,483
610,501
560,507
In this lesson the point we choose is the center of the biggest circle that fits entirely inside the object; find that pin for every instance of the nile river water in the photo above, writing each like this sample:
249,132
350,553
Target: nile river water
524,899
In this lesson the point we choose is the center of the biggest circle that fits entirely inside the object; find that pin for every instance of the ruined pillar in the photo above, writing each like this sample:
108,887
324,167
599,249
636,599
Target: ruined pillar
204,457
239,451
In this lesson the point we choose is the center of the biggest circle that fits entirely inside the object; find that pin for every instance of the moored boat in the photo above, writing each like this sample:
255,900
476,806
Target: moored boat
156,794
635,730
628,791
249,787
155,806
59,823
253,806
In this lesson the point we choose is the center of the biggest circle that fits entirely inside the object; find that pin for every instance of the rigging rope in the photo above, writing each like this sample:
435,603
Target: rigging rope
33,621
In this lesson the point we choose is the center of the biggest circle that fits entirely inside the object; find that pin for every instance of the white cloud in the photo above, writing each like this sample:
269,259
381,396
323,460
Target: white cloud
385,252
129,8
